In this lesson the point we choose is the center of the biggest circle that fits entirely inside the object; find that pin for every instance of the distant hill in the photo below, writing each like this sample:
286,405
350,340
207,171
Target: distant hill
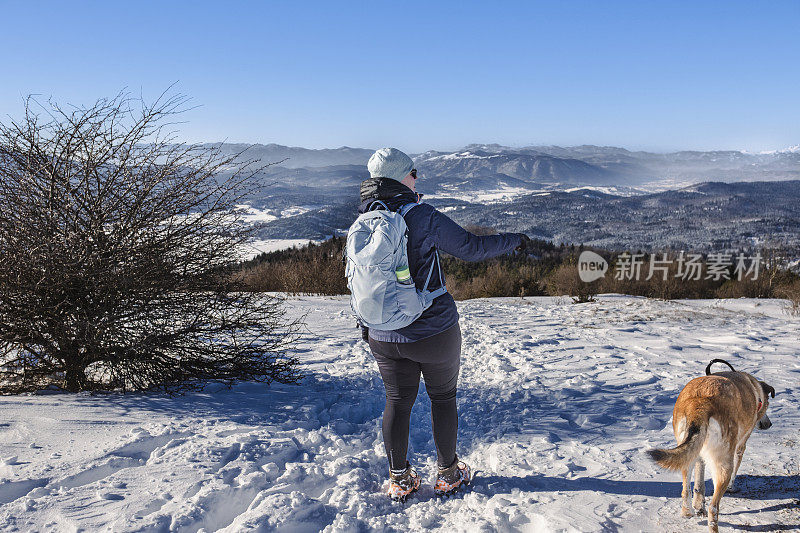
600,195
296,157
706,216
535,165
461,167
602,165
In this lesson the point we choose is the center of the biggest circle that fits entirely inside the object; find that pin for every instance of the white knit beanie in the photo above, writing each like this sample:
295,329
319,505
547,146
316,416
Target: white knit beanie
389,163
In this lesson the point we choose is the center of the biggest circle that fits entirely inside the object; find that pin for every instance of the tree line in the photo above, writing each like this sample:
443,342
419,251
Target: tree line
547,270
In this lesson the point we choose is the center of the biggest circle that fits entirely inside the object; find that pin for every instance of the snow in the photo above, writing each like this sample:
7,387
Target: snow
254,248
557,403
608,189
666,184
461,155
253,215
790,150
502,194
296,210
507,193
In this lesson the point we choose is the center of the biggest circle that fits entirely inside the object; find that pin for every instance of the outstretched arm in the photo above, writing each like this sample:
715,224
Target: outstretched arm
456,241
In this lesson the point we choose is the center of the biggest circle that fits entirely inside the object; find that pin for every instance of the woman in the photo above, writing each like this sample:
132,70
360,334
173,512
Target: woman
431,345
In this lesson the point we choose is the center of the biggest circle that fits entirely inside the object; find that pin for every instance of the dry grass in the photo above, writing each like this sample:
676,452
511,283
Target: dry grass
318,269
319,275
497,280
565,280
791,291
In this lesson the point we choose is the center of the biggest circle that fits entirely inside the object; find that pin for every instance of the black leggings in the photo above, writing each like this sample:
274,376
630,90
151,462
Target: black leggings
438,359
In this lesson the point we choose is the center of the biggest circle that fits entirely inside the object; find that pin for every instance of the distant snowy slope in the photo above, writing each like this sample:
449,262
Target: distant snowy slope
575,165
557,403
295,156
448,169
790,150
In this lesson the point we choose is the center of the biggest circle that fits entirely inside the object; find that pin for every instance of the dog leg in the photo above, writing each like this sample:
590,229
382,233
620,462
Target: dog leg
699,502
733,487
721,472
686,509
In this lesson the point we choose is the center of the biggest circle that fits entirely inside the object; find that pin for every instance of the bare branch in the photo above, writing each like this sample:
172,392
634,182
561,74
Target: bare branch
117,243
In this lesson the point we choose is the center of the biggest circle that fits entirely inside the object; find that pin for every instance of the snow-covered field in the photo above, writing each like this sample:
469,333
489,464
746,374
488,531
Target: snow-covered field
502,194
557,403
256,247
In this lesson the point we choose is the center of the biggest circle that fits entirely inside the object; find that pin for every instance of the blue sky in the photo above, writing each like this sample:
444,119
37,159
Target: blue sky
427,75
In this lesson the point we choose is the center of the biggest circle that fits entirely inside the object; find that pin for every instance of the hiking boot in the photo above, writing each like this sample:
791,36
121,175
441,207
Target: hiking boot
451,479
403,483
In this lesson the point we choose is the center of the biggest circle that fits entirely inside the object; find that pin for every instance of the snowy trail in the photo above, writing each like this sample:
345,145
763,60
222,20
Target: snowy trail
556,401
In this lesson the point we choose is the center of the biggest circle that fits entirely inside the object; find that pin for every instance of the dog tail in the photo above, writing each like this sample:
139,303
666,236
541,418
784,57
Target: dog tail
686,453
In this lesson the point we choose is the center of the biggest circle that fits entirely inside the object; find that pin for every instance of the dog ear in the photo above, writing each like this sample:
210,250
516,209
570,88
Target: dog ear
767,389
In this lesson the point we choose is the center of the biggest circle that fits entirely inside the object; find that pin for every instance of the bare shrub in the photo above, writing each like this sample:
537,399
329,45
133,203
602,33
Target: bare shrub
293,276
565,280
313,269
116,243
666,285
791,292
498,279
317,269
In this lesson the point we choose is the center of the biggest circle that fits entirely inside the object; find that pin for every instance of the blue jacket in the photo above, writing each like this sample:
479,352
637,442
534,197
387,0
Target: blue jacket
428,229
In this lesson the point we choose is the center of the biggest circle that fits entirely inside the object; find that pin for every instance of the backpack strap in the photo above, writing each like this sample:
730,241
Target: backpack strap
406,208
429,296
377,204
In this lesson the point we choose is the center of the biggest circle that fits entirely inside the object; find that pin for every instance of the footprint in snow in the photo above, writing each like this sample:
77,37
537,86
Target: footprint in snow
113,496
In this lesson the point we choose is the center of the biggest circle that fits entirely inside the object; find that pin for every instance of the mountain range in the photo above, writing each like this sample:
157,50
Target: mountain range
580,165
604,196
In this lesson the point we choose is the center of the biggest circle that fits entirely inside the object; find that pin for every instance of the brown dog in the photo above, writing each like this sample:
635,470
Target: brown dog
712,420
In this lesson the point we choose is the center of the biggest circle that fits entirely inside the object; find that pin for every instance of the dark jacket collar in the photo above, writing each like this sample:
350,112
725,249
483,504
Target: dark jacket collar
391,192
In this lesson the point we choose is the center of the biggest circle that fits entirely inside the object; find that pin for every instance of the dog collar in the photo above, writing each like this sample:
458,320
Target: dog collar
759,405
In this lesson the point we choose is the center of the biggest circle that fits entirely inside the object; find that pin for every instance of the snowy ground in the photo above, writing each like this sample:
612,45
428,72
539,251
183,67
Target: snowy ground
557,403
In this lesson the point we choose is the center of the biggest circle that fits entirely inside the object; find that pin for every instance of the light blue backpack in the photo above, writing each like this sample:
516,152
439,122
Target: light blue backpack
382,293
